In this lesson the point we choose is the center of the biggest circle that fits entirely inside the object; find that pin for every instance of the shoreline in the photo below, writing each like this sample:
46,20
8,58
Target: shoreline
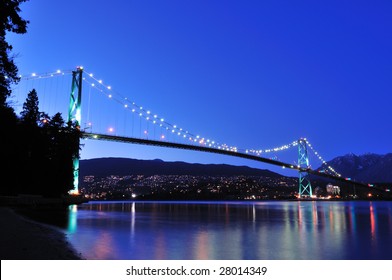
24,239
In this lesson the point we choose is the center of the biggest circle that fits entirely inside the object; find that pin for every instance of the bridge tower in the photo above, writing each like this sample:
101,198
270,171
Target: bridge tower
305,188
75,116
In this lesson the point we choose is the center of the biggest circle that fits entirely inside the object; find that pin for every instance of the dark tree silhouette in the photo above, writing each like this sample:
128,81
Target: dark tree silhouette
30,114
10,21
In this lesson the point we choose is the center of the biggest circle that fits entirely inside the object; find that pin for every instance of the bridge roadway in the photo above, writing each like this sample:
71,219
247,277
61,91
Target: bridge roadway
95,136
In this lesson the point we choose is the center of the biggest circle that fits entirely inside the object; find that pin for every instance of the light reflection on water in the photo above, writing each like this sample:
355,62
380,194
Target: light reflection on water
232,230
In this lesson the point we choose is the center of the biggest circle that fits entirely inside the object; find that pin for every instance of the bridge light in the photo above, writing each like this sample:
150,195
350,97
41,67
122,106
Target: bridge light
110,96
100,81
126,105
58,71
109,87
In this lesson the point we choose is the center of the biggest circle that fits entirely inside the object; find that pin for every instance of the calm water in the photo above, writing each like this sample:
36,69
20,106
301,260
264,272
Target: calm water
232,230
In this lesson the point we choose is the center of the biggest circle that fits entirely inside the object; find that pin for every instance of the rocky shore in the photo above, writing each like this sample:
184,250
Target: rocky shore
24,239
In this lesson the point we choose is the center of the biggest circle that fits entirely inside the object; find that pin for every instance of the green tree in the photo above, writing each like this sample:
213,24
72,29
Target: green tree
10,21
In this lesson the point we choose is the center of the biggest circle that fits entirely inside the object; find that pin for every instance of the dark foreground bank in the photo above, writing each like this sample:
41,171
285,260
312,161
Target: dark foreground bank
23,239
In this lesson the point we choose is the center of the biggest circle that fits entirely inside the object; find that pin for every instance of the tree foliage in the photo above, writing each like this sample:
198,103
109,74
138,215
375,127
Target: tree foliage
10,21
44,149
30,114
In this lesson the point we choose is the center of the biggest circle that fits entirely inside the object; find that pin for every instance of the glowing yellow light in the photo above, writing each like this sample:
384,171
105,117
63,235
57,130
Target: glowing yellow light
73,192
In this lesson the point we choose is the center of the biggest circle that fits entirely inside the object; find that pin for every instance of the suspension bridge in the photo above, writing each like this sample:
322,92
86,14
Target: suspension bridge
164,133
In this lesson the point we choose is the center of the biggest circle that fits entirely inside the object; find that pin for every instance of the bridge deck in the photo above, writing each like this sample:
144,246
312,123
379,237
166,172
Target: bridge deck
167,144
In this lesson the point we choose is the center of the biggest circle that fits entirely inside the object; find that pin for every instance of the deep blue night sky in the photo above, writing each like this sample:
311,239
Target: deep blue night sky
253,74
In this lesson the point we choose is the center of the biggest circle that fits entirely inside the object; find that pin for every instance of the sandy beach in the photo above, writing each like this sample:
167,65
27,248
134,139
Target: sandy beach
23,239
